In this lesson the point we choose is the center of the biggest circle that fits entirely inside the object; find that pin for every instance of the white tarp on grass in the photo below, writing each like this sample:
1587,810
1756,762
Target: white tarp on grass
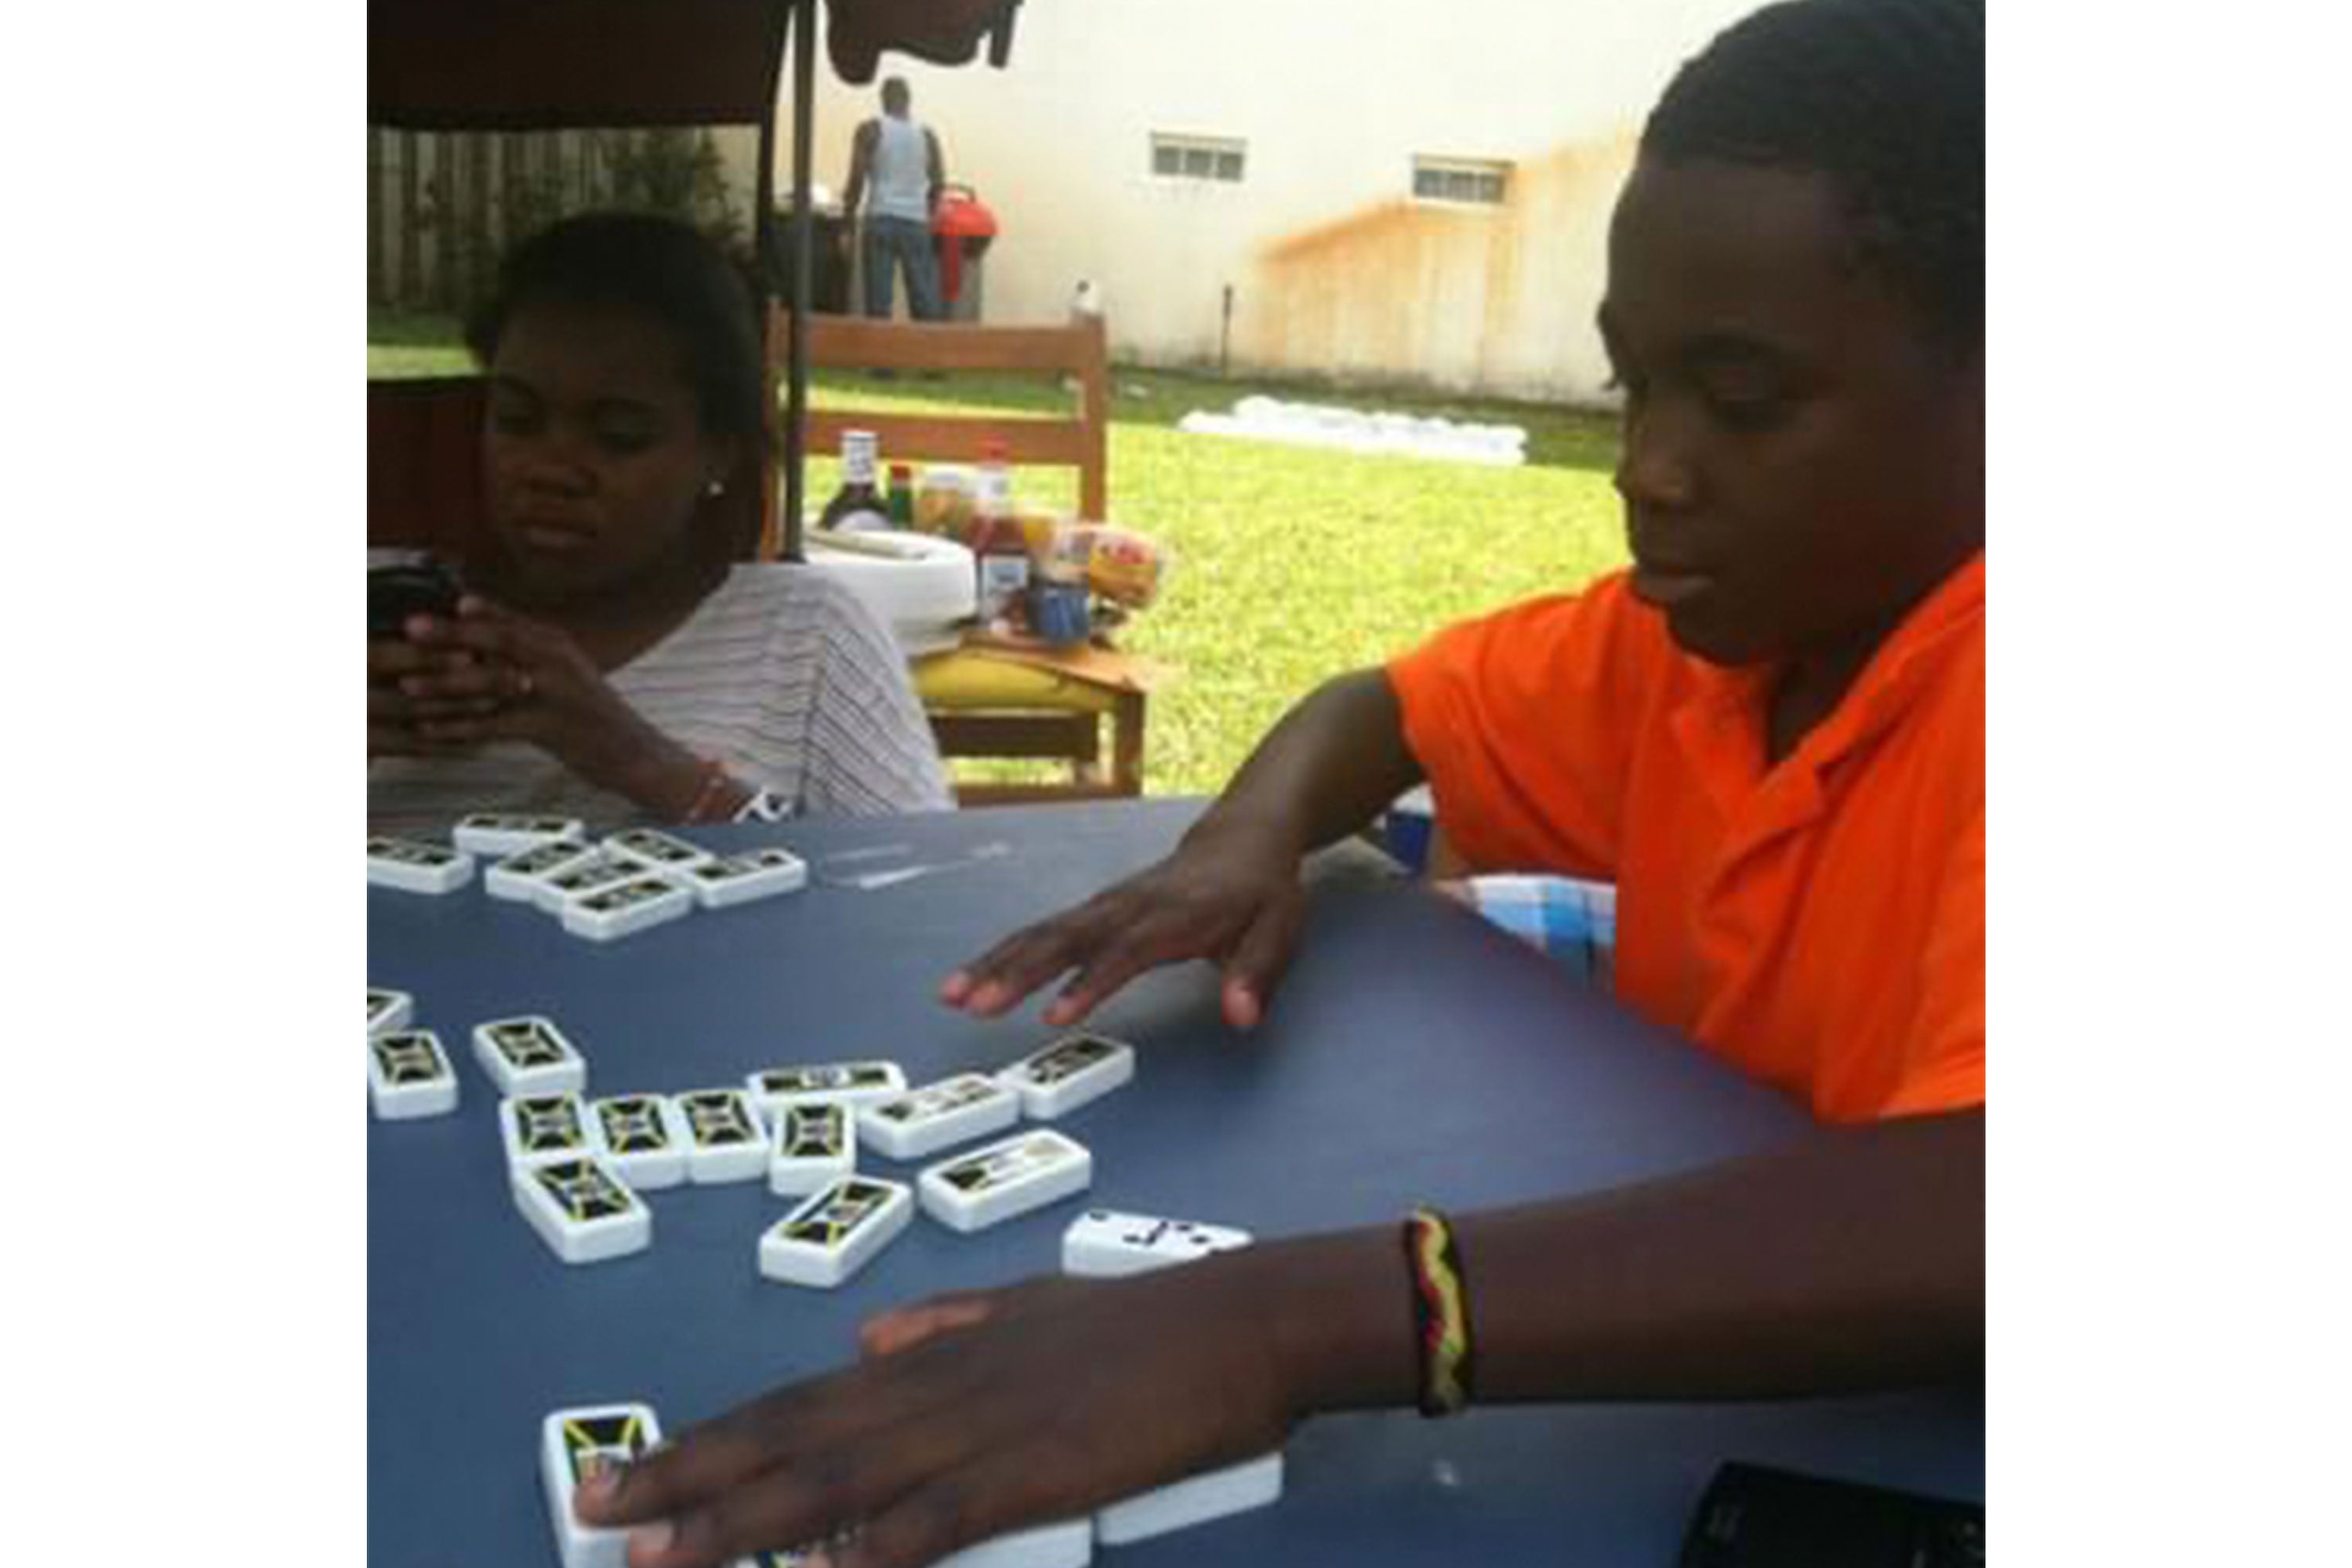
1360,430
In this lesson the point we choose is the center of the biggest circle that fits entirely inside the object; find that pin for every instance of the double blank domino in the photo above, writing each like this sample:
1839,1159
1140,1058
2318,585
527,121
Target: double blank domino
1197,1500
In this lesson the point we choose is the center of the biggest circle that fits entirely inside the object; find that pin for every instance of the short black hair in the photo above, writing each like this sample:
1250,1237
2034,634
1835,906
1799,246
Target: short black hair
1886,98
657,267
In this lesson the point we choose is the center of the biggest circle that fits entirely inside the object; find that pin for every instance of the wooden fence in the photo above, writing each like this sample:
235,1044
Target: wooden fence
443,205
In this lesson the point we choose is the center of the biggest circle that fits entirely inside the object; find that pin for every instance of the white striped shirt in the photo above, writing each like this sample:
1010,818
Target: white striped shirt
783,674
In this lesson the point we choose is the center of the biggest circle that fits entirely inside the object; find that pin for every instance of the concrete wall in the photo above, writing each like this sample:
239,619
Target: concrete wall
1334,268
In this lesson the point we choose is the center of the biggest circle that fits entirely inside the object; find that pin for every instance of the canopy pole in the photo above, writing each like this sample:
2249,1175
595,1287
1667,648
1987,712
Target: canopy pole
804,264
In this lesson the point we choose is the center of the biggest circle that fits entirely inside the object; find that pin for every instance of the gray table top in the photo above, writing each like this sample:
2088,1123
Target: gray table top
1414,1055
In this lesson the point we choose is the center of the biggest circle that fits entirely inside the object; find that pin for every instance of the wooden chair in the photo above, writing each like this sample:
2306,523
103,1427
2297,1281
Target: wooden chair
986,704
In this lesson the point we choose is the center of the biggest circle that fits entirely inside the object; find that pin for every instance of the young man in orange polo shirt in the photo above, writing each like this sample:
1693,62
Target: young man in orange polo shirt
1769,735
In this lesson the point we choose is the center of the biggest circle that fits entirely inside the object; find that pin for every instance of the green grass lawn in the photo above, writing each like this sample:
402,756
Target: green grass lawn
1291,564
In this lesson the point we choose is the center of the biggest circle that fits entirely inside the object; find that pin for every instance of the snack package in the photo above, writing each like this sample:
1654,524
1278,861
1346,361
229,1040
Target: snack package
946,499
1121,564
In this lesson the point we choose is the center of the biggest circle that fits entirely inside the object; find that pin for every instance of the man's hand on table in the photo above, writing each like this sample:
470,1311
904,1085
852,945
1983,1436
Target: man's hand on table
971,1415
1227,894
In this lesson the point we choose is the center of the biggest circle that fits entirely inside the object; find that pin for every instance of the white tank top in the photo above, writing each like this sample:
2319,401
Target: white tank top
902,171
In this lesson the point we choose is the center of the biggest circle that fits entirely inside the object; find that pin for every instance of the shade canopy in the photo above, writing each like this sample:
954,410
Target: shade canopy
524,65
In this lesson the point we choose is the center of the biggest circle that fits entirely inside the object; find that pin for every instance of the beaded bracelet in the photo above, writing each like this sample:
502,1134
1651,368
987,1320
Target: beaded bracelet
1440,1312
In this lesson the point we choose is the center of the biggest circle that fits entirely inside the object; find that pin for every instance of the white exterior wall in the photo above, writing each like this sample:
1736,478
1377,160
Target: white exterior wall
1335,269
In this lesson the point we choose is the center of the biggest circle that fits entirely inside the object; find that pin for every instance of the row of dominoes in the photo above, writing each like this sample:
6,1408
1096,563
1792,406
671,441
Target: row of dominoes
578,1443
627,882
800,1125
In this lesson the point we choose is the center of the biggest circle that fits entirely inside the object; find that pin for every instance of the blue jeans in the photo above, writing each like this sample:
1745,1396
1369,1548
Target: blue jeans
908,243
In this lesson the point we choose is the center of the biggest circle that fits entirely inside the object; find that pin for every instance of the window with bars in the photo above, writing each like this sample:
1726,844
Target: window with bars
1197,158
1472,181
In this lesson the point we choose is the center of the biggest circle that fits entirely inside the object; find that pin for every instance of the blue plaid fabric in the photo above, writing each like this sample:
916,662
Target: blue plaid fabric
1572,920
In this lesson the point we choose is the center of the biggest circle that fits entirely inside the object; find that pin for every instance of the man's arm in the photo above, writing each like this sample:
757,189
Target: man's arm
1854,1260
861,154
939,169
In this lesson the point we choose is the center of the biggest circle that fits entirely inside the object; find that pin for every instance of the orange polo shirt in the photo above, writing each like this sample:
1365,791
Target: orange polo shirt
1820,922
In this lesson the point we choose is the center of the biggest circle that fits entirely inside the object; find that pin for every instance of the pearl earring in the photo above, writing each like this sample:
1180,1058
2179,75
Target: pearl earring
716,487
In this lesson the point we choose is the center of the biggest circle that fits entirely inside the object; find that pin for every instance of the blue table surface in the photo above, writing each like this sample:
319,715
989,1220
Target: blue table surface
1413,1055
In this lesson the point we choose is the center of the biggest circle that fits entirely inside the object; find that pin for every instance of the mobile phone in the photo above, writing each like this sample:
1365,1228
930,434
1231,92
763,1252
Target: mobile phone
419,585
1756,1517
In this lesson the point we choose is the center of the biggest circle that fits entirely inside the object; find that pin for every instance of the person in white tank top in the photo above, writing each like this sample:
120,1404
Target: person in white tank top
896,160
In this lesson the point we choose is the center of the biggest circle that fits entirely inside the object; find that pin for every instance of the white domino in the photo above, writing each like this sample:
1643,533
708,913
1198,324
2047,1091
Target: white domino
1005,1179
583,1211
626,908
523,876
1072,1071
1197,1500
811,1145
642,1137
538,1128
415,867
591,873
574,1445
528,1055
1105,1244
727,880
409,1074
389,1010
952,1111
835,1232
725,1140
656,850
854,1084
496,833
1069,1544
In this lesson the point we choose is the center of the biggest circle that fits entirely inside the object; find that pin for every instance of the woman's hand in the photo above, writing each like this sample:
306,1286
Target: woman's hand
1227,894
401,669
503,676
970,1417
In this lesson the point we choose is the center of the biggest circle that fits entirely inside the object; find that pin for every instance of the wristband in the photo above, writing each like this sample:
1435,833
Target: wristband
1440,1312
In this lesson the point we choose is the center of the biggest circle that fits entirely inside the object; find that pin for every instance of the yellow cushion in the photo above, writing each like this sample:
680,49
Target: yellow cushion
969,682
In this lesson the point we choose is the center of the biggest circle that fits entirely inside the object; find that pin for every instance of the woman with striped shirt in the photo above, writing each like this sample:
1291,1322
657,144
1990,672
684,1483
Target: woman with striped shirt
613,658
